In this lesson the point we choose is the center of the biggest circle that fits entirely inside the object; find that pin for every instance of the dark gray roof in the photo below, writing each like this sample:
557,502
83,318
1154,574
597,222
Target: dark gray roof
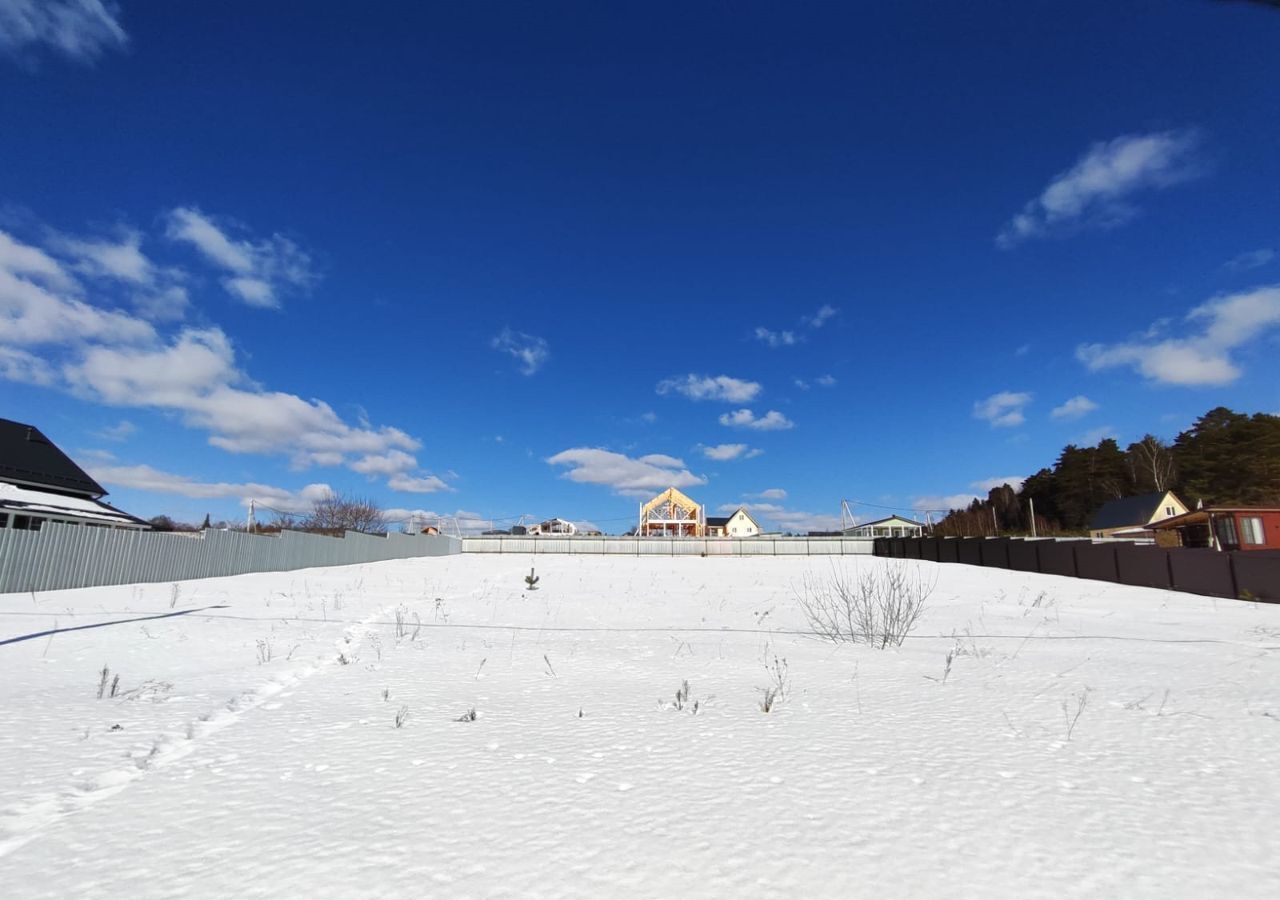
1127,511
28,457
718,521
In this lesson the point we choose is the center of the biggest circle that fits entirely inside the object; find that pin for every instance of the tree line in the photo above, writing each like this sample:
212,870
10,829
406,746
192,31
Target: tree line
333,514
1225,458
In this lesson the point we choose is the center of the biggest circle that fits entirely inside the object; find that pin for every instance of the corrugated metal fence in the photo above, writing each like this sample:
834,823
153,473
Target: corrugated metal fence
631,546
70,556
1253,574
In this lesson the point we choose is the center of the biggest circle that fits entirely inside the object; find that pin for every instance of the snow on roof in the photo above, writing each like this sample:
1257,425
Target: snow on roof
45,503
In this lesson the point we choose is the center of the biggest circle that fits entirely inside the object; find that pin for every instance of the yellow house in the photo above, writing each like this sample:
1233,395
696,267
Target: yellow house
1131,516
671,514
738,525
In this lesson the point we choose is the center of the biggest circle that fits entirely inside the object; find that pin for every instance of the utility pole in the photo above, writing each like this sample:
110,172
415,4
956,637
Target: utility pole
1032,501
249,524
994,524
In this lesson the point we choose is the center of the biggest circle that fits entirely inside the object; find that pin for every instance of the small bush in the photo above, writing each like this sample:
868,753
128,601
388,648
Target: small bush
875,606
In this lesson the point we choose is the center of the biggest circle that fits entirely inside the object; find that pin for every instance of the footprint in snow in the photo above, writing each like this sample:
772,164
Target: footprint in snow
585,777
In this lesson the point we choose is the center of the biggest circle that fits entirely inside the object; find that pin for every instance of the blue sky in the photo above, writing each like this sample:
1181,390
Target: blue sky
506,258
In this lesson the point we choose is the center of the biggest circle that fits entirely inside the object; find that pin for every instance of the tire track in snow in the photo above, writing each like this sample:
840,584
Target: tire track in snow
24,821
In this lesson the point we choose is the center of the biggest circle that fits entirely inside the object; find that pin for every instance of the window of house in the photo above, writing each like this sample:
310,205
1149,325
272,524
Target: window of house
1251,530
4,520
1227,532
1168,511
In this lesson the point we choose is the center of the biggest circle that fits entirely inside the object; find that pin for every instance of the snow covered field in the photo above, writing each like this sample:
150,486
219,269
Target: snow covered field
252,751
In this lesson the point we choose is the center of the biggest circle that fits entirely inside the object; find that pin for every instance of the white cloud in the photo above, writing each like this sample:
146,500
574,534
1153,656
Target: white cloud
39,304
1094,192
146,478
390,463
258,271
708,387
25,368
80,29
121,431
529,351
775,338
1227,324
723,452
1251,259
942,502
1002,410
770,494
158,293
633,477
826,380
821,317
117,358
425,484
745,418
801,384
779,518
1075,408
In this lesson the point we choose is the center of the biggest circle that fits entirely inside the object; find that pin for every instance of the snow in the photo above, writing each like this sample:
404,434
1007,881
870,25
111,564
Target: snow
36,502
216,772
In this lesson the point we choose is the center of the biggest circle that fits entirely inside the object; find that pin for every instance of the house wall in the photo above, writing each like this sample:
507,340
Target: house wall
1270,530
740,525
1169,507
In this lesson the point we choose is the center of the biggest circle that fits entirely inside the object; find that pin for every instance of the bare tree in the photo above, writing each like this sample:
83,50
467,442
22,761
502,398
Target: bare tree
1153,461
339,512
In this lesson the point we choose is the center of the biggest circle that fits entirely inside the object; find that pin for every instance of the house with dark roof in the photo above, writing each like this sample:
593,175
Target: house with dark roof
39,483
739,524
1129,517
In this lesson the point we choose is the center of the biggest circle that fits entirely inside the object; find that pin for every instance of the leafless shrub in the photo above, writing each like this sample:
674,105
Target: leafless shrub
265,651
103,677
402,716
875,606
402,622
468,716
115,686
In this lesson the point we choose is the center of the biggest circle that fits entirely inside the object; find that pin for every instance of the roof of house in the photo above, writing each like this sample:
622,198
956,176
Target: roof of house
29,501
1201,516
718,521
1126,511
28,457
891,519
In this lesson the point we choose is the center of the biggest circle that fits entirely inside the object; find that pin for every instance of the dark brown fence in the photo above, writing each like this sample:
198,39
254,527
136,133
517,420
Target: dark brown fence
1251,575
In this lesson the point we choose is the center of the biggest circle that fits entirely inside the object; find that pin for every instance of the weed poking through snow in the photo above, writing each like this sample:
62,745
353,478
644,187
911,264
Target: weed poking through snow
531,581
1082,700
468,716
402,716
